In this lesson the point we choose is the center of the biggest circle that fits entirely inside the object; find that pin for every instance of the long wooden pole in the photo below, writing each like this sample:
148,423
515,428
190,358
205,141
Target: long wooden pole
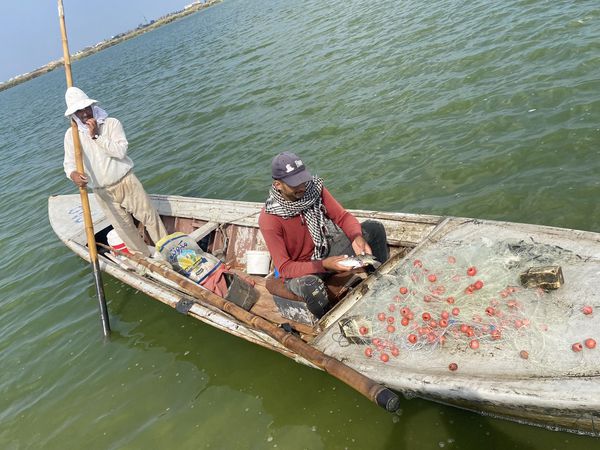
374,391
85,202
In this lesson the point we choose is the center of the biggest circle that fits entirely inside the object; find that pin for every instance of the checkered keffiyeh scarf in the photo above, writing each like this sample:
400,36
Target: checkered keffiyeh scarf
310,207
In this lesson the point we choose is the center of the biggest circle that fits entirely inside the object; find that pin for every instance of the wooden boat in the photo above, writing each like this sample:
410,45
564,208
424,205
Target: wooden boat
453,316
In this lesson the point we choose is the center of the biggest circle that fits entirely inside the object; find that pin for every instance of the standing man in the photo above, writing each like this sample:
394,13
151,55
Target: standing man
109,171
308,233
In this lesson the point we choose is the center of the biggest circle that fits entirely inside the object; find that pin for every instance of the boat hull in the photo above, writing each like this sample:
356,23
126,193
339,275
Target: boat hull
560,396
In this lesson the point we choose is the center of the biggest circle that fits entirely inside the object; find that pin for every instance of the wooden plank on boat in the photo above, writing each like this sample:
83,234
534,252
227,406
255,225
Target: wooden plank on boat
204,230
240,240
210,210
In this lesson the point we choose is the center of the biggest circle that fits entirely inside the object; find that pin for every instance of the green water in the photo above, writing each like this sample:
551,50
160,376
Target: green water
477,109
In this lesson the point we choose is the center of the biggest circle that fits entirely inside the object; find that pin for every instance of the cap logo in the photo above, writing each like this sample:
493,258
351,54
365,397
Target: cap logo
289,168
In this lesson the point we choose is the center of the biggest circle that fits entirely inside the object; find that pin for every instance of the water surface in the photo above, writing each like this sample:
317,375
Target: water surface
473,109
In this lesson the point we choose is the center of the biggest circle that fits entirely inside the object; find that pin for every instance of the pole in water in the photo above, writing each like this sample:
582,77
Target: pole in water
85,202
101,300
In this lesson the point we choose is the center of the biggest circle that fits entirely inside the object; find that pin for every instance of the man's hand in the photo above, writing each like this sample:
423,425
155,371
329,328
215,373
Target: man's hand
93,127
79,178
332,264
360,246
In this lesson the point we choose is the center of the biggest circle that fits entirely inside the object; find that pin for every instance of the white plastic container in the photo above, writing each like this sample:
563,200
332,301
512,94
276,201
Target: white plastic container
115,241
258,262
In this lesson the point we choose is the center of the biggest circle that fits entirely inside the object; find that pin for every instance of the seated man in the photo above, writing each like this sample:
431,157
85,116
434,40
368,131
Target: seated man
308,233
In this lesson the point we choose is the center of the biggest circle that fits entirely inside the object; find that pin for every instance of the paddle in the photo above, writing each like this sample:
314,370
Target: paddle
375,392
85,203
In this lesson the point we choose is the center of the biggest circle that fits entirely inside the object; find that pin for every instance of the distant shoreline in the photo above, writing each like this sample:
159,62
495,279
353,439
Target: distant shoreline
194,7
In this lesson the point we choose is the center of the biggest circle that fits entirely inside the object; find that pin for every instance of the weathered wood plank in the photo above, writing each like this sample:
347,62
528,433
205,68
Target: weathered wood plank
204,230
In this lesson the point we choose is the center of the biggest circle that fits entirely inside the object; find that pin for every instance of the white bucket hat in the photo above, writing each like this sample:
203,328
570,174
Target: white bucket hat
77,99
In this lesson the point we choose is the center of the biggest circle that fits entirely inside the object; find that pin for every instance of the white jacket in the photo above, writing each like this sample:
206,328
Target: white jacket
105,158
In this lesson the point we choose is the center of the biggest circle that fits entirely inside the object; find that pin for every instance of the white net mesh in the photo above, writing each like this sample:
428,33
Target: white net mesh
459,301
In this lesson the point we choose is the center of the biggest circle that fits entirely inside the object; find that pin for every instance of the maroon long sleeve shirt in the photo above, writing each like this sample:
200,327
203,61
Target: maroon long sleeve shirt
290,243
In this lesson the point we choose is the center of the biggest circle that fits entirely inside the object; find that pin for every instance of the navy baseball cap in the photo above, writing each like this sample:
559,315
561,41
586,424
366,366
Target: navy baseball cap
289,168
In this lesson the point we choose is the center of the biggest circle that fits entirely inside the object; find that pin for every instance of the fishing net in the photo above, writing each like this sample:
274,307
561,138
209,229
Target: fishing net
457,302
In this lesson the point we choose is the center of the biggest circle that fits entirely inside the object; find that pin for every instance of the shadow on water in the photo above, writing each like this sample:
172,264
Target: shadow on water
449,427
425,424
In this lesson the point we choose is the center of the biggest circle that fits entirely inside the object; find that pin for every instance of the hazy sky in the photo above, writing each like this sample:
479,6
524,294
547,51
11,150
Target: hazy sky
30,30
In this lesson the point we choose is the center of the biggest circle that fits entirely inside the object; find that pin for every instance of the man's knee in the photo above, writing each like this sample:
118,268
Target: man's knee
374,233
312,290
372,229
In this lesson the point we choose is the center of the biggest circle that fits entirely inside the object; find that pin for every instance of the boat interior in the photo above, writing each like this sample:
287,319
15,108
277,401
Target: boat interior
231,242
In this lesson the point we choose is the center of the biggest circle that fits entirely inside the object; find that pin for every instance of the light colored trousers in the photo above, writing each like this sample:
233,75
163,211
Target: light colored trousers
122,200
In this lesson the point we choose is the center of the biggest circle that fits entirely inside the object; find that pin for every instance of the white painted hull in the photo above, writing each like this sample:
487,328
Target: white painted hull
555,387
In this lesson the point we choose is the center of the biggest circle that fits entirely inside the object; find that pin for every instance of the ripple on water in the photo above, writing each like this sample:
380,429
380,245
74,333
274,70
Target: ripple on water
478,110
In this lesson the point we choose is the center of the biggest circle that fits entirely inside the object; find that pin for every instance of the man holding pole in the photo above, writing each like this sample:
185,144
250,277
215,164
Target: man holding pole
109,170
